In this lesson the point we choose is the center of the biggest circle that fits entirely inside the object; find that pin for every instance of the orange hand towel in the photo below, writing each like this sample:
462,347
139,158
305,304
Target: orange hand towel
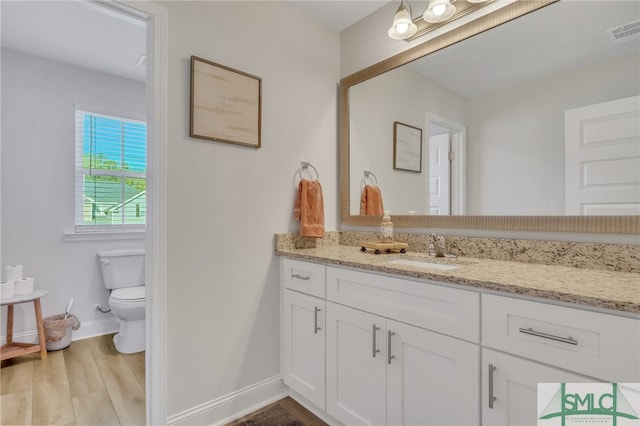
309,209
371,201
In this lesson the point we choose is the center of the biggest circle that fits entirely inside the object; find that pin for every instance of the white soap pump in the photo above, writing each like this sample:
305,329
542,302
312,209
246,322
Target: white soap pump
386,227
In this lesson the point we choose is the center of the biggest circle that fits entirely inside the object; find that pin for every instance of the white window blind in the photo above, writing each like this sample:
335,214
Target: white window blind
110,173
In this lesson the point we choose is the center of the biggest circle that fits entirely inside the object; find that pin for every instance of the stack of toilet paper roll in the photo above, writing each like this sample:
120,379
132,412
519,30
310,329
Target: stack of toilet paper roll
15,284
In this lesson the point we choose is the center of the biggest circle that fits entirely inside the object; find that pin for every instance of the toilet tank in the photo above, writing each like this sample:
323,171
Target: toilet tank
122,268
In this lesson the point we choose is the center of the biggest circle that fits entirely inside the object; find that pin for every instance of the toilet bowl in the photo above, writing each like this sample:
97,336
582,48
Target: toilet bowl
128,305
123,273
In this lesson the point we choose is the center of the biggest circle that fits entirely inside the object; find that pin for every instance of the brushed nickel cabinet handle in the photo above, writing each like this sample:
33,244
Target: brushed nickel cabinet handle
315,320
389,356
531,331
301,277
375,329
492,397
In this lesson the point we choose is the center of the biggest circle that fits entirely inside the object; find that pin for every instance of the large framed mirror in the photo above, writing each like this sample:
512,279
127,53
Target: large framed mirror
508,109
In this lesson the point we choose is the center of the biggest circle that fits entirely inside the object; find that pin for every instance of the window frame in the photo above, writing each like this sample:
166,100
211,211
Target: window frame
80,172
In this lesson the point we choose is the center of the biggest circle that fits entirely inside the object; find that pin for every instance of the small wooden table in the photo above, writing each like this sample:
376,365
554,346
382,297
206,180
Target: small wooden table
13,349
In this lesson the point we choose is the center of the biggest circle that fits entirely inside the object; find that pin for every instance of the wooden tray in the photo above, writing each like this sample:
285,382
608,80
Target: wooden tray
383,246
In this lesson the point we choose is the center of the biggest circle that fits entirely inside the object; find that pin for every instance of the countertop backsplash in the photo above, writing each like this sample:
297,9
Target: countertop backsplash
600,256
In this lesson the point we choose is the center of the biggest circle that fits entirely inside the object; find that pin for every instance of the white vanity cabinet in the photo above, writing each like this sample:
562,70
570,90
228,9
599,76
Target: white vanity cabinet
383,371
380,371
374,349
510,388
562,344
303,329
356,366
596,344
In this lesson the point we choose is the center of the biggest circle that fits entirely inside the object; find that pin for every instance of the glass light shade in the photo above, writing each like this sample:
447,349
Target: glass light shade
403,26
438,11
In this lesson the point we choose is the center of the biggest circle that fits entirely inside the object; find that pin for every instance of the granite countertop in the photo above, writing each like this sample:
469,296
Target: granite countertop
619,291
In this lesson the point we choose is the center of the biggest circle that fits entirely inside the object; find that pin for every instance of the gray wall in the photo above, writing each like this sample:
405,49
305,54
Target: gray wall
226,202
38,183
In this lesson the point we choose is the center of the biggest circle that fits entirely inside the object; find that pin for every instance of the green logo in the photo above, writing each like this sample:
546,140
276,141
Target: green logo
588,403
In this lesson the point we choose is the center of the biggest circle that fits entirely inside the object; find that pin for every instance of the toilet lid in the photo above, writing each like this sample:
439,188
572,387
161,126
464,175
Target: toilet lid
129,293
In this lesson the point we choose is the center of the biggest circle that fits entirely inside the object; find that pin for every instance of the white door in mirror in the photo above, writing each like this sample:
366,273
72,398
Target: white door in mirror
602,145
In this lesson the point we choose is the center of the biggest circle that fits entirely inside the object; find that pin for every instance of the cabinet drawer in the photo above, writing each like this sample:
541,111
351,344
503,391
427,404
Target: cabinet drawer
305,277
438,308
602,346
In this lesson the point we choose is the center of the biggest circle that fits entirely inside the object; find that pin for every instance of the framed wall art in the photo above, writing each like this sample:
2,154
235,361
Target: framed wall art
407,147
226,104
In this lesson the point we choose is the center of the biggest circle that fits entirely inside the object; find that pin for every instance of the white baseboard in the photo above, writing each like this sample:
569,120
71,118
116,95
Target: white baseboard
95,328
87,329
234,405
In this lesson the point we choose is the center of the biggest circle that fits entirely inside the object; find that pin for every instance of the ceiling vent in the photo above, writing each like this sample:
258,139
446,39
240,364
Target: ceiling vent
625,33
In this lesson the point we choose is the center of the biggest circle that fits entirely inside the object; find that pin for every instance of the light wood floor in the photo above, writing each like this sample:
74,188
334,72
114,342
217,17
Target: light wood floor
89,383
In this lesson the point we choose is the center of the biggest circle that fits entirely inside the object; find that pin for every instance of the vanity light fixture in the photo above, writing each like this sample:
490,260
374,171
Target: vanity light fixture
403,26
438,13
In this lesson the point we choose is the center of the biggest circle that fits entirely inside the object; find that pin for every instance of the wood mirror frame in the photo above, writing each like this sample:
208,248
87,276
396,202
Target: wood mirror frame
585,224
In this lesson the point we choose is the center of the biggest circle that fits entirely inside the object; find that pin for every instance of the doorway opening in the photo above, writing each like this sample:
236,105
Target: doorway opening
447,165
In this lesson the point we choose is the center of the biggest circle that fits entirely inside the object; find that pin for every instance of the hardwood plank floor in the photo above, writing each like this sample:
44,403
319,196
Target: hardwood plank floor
51,396
16,408
304,416
82,370
89,383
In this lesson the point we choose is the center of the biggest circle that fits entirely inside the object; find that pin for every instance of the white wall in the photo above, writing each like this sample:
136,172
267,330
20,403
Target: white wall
38,183
519,132
225,202
366,42
401,95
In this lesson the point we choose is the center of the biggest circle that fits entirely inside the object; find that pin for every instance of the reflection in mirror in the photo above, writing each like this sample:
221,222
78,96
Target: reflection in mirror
406,96
541,115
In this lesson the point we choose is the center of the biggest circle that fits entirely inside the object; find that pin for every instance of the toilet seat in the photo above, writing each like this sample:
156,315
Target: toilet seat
129,294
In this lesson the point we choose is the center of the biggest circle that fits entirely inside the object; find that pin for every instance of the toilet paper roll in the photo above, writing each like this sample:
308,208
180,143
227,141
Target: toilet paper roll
13,273
23,286
7,289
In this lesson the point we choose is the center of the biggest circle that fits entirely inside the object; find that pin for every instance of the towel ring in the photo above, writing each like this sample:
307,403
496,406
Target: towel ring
305,166
368,174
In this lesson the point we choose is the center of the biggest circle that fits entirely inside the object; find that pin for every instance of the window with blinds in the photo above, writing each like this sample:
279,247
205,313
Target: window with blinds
110,173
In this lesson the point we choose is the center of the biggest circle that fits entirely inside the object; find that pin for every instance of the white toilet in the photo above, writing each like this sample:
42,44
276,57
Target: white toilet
123,273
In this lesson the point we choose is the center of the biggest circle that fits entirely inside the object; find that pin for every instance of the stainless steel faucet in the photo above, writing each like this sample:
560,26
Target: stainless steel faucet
439,245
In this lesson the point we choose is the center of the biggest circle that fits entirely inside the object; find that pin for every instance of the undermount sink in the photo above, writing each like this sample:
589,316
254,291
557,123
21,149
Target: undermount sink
423,264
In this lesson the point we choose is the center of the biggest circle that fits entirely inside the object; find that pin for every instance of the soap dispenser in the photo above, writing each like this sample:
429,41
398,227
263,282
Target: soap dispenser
386,227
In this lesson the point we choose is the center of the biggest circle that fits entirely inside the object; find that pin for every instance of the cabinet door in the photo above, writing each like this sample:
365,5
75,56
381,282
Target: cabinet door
356,366
304,345
515,381
431,379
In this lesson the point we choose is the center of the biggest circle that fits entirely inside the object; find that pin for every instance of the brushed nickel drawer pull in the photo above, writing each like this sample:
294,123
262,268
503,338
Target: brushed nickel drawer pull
567,340
492,397
375,349
389,356
315,320
301,277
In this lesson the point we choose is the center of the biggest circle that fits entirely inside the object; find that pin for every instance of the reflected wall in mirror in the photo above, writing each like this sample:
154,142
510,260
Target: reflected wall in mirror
505,93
